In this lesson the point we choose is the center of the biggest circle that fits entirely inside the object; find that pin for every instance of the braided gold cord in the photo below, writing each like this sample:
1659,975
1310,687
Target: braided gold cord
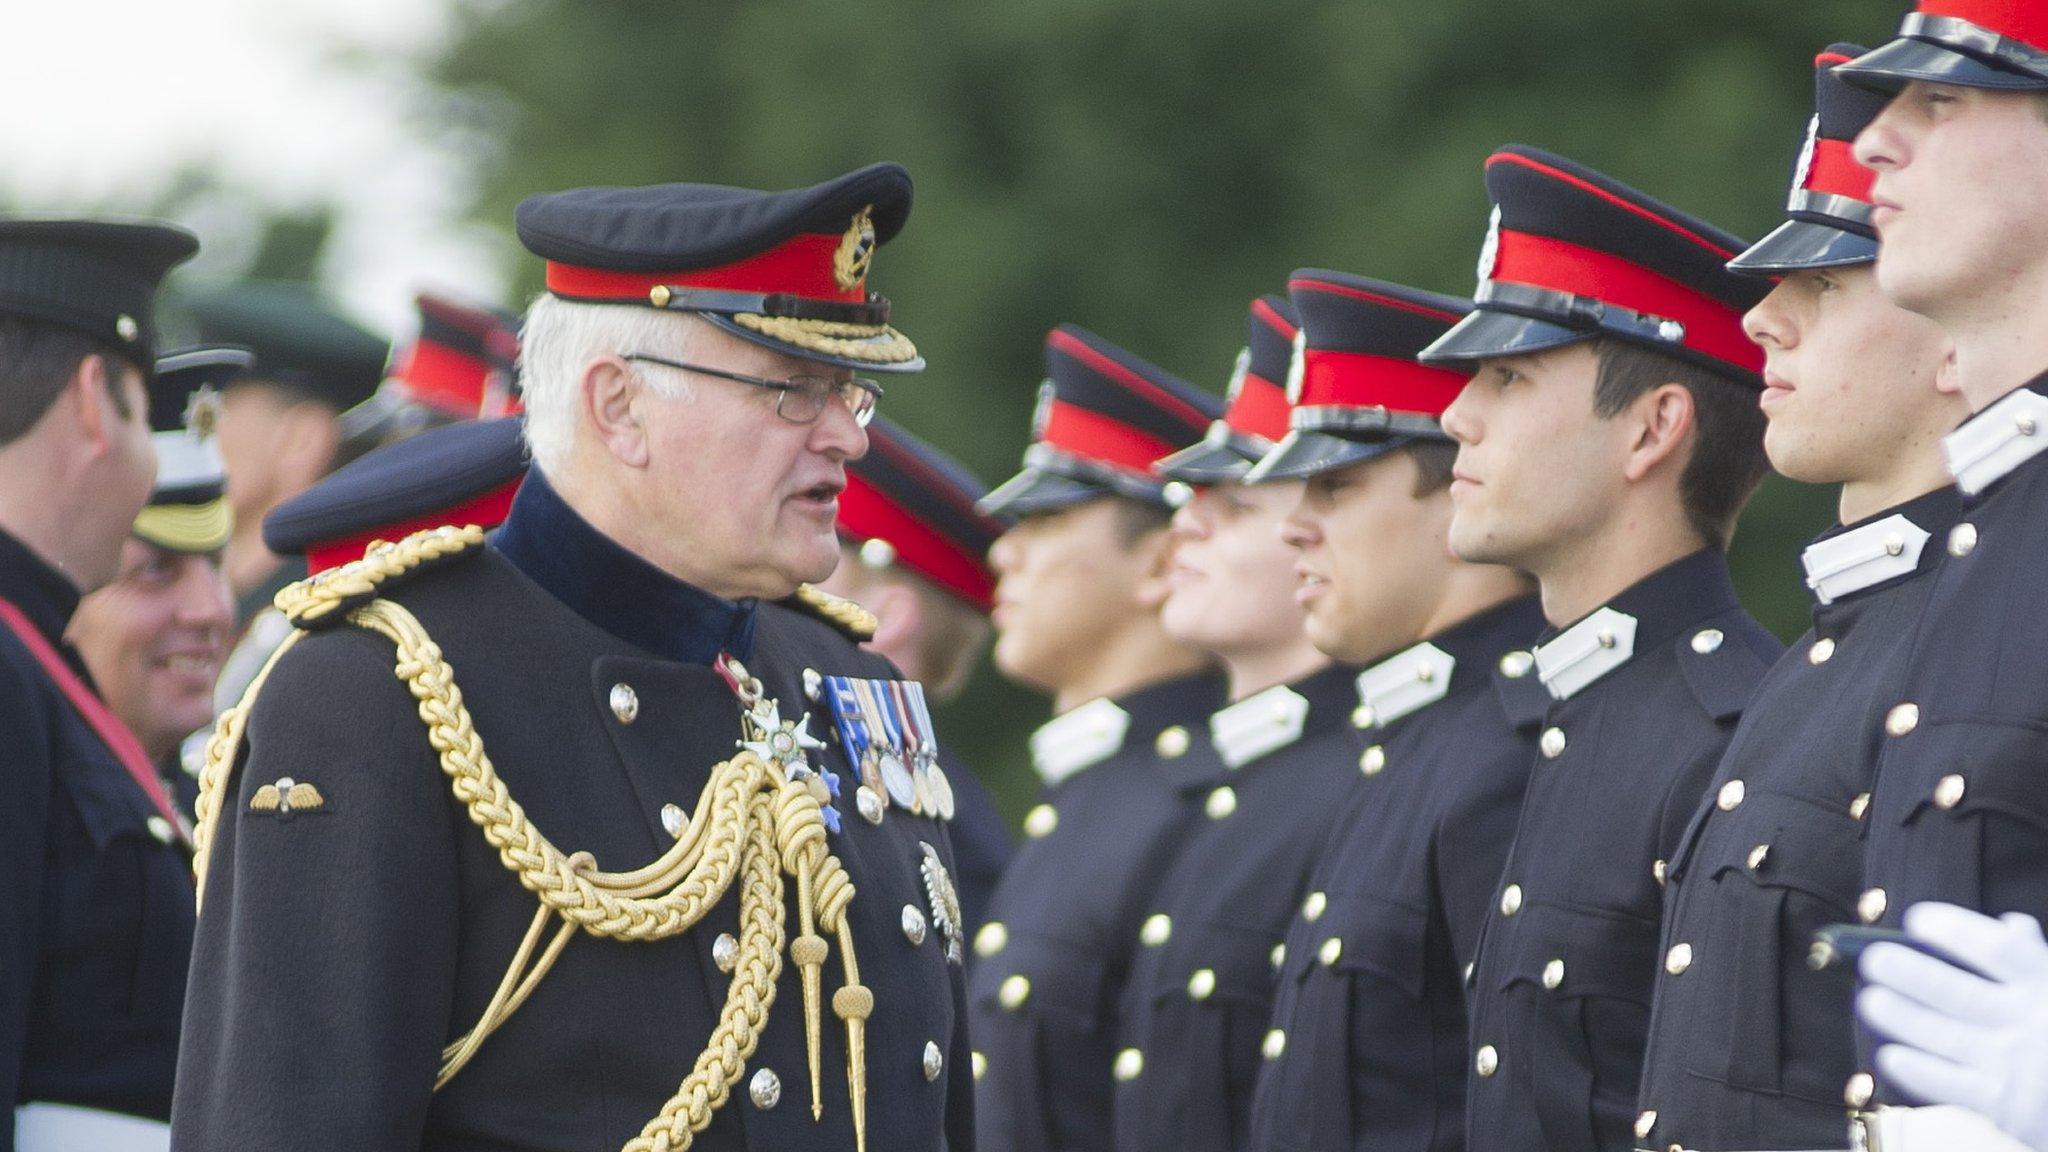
834,338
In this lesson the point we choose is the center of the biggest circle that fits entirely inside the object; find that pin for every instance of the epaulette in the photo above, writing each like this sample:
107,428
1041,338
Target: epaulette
326,597
1722,675
856,622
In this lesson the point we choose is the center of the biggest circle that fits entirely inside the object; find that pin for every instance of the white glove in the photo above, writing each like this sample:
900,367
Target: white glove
1957,1037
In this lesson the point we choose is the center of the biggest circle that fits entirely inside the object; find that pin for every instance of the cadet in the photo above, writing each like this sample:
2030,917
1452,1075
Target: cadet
98,914
526,891
1278,762
914,550
1607,441
154,637
1749,1046
1961,153
1367,1041
1079,583
458,367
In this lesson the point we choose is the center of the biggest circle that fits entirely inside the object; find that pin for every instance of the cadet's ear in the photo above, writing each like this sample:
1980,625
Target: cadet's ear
612,392
900,615
1662,420
1947,380
1154,551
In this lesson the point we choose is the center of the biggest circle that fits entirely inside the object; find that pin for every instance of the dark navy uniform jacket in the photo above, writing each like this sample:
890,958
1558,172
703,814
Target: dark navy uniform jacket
1053,958
1367,1048
1280,765
97,926
980,843
1750,1046
340,948
1959,812
1647,692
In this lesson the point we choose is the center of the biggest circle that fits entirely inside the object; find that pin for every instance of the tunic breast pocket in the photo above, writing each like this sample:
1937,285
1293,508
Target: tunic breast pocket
1043,1012
1209,1005
1780,869
126,908
1975,818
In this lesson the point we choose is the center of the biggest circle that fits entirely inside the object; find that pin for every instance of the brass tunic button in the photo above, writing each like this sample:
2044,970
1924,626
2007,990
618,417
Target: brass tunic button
1894,544
1511,900
1516,664
1551,743
1902,719
159,829
991,938
1013,992
1678,959
1202,984
725,952
672,818
1949,792
1312,907
1279,955
1822,651
1363,717
1130,1064
1040,821
1172,743
1373,761
765,1089
1645,1124
1707,640
1730,796
1553,974
1757,856
625,703
1331,951
1274,1045
1962,540
1221,803
913,925
980,1065
1158,930
1860,1089
1870,906
1859,806
1486,1061
934,1060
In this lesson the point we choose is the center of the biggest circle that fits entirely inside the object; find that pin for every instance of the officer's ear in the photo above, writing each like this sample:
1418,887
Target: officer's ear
612,391
1660,423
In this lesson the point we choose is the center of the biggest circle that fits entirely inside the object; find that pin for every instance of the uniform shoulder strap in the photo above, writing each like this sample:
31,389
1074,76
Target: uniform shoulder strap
856,622
324,598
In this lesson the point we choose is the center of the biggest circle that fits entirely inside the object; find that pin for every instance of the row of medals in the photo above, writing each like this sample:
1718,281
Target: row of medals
911,779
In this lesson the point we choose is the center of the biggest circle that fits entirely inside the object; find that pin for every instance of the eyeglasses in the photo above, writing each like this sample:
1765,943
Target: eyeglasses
803,397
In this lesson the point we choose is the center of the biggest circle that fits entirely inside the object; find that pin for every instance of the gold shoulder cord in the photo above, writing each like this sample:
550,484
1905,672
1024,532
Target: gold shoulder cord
758,818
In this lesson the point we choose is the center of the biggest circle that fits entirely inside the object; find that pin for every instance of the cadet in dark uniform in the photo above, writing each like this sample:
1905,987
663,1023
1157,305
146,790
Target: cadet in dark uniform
1079,584
1749,1045
914,551
96,924
641,882
1278,762
1958,813
1607,441
1366,1047
458,367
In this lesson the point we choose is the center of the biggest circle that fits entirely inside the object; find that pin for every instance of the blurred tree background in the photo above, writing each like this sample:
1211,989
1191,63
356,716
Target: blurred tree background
1146,167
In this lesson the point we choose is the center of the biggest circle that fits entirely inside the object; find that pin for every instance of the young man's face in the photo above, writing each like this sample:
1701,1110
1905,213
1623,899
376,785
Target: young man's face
1958,197
1232,577
154,640
1371,556
1537,466
1849,377
1065,580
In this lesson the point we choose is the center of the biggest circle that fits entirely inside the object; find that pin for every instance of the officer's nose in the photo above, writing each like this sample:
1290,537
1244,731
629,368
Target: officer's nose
1767,325
1879,146
836,433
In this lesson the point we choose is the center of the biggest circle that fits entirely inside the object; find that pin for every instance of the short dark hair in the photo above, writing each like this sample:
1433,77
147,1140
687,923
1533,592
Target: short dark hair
1728,460
36,360
1433,462
1137,519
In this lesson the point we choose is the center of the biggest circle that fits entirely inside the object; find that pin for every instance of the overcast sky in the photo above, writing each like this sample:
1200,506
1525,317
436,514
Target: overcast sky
103,101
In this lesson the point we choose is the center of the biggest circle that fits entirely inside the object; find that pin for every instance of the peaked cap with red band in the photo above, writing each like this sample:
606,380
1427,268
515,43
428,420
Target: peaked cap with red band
457,474
1103,417
1572,255
908,503
1255,405
788,270
1829,210
2000,44
460,365
1358,391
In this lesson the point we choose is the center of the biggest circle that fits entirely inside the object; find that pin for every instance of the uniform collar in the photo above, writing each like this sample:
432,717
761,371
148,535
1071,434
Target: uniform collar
1879,549
1999,439
1458,657
1649,612
1265,722
613,588
45,595
1090,733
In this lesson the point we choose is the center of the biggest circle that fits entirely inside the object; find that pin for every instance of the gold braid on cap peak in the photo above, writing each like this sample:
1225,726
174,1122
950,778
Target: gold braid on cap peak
868,343
843,614
754,823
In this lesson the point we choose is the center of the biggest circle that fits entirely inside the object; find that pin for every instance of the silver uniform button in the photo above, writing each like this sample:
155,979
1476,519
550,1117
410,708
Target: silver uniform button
725,952
625,703
1373,760
1962,540
1902,719
1221,803
1130,1064
991,938
1511,900
934,1060
765,1089
1822,651
672,818
1040,821
1552,743
1731,796
159,829
1516,664
913,925
1707,640
1157,930
869,803
1553,974
1486,1061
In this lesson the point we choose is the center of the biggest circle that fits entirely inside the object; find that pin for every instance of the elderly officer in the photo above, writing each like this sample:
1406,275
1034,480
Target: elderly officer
1607,441
479,904
1279,761
914,551
1079,583
1961,152
98,913
1366,1048
155,636
1749,1046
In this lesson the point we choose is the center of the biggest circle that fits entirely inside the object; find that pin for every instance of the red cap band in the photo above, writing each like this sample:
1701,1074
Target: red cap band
1362,380
1834,170
2024,20
444,379
866,514
1260,408
1105,366
800,266
486,511
1093,436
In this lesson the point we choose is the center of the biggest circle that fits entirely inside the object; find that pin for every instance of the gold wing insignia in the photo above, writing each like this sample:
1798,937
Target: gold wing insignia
304,797
266,799
286,797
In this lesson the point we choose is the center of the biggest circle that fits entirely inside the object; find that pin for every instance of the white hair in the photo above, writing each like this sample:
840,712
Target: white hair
558,341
